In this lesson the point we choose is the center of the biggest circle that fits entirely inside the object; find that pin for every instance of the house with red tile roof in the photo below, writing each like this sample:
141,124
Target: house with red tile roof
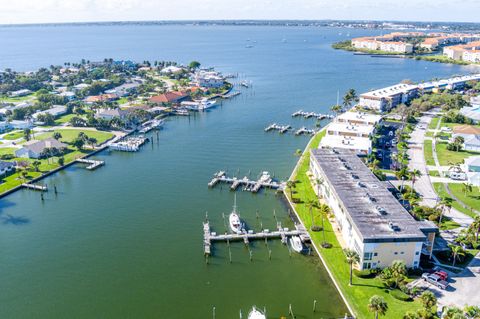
169,97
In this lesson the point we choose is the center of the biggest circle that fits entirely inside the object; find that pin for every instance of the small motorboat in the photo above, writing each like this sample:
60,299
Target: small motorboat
236,225
296,244
256,314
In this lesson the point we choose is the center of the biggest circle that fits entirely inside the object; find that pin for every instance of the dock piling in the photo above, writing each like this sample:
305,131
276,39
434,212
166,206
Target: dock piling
314,305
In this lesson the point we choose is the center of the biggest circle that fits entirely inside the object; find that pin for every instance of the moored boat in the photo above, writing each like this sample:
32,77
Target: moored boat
296,244
256,314
236,224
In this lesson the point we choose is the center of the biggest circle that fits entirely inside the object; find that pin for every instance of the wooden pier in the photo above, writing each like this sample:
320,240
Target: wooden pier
36,187
280,233
307,115
276,127
248,185
91,164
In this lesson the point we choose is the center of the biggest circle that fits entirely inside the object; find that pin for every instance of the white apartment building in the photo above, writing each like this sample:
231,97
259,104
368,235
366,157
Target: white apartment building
369,218
384,99
471,55
395,46
358,118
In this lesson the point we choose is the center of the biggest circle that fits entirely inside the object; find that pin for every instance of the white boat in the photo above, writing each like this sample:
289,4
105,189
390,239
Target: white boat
256,314
265,178
205,104
234,219
296,244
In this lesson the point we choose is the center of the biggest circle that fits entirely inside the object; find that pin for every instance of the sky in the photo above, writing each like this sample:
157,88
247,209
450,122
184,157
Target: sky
52,11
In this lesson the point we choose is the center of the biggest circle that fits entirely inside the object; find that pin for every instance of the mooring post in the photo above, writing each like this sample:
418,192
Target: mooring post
314,305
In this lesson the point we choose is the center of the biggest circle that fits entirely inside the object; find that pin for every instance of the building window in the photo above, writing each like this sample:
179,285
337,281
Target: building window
375,254
417,253
367,265
402,253
367,256
396,253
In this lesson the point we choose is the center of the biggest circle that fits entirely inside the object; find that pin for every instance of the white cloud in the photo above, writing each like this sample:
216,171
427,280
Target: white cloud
34,11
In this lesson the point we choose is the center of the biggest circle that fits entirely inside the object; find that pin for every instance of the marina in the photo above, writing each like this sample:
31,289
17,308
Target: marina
254,186
150,125
129,144
277,127
304,130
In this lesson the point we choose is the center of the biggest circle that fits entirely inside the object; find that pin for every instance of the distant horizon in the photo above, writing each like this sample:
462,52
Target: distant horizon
182,21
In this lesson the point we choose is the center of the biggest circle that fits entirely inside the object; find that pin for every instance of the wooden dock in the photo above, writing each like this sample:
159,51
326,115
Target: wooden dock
248,185
277,127
304,130
36,187
91,164
280,233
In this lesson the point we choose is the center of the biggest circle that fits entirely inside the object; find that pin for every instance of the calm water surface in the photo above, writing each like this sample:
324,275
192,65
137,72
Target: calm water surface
125,241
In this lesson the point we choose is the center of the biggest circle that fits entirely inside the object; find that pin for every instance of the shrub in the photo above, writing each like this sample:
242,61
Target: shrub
326,245
315,228
366,273
400,295
7,156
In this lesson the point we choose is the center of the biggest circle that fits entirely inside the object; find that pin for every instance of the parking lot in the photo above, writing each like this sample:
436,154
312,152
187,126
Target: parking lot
387,144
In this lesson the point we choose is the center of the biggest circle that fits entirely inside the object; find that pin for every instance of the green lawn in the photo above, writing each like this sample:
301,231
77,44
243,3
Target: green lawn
446,157
441,192
433,173
359,294
14,135
428,152
449,224
64,119
8,99
433,123
69,135
470,199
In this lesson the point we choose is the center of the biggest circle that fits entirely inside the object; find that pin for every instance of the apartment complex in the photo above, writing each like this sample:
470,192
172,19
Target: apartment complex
466,52
351,131
388,43
369,218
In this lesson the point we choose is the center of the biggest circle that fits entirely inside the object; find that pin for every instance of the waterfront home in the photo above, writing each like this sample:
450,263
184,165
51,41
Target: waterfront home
359,118
68,95
55,111
109,114
169,97
80,87
208,79
6,167
472,167
20,93
387,98
369,218
108,97
360,145
172,69
36,149
470,135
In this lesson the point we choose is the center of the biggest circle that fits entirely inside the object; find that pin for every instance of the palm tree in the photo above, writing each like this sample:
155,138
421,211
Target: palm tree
349,98
336,109
413,176
428,300
36,165
291,185
457,251
445,202
378,305
458,142
472,311
475,227
319,182
399,271
324,210
411,315
453,313
311,203
467,188
352,258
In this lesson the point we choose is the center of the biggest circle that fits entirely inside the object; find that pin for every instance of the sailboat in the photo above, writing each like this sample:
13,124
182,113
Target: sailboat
236,224
256,314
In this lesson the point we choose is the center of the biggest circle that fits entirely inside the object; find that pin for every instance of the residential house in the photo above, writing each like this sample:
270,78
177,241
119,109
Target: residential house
55,111
169,97
472,167
109,114
20,93
6,167
35,149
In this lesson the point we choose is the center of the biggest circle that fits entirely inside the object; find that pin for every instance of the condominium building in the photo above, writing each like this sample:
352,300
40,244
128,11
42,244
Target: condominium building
384,99
358,118
368,217
396,46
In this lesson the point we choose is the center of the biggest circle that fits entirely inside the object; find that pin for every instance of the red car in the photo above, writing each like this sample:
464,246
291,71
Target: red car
442,274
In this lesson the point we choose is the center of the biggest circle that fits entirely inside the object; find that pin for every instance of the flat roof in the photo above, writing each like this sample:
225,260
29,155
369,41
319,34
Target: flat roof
350,128
390,90
371,208
347,142
359,116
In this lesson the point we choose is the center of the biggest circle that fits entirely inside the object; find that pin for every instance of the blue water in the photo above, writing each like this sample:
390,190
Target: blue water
125,241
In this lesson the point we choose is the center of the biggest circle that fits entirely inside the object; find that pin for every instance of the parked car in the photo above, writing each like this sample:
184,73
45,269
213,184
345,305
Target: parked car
435,280
442,274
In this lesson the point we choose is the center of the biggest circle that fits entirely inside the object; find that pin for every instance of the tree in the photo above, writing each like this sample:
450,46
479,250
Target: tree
319,182
453,313
194,65
27,133
92,141
311,203
349,98
457,251
291,185
78,142
467,188
475,227
324,210
57,135
352,258
428,300
378,305
458,142
445,202
411,315
413,176
36,165
61,161
398,271
472,311
336,109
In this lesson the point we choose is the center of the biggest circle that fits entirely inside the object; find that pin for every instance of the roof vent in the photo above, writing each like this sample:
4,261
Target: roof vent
380,210
393,227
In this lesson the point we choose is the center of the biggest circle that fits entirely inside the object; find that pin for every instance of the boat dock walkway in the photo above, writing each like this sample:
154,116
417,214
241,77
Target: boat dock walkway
304,130
281,233
276,127
308,115
248,185
36,187
129,144
92,164
150,125
230,95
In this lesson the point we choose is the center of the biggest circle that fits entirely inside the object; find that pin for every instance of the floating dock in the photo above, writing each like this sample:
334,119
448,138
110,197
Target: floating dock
281,233
36,187
248,185
304,130
308,115
150,125
276,127
91,164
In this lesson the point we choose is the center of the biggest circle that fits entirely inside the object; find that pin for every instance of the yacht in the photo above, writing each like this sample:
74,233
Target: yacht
234,219
205,104
256,314
265,178
296,244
